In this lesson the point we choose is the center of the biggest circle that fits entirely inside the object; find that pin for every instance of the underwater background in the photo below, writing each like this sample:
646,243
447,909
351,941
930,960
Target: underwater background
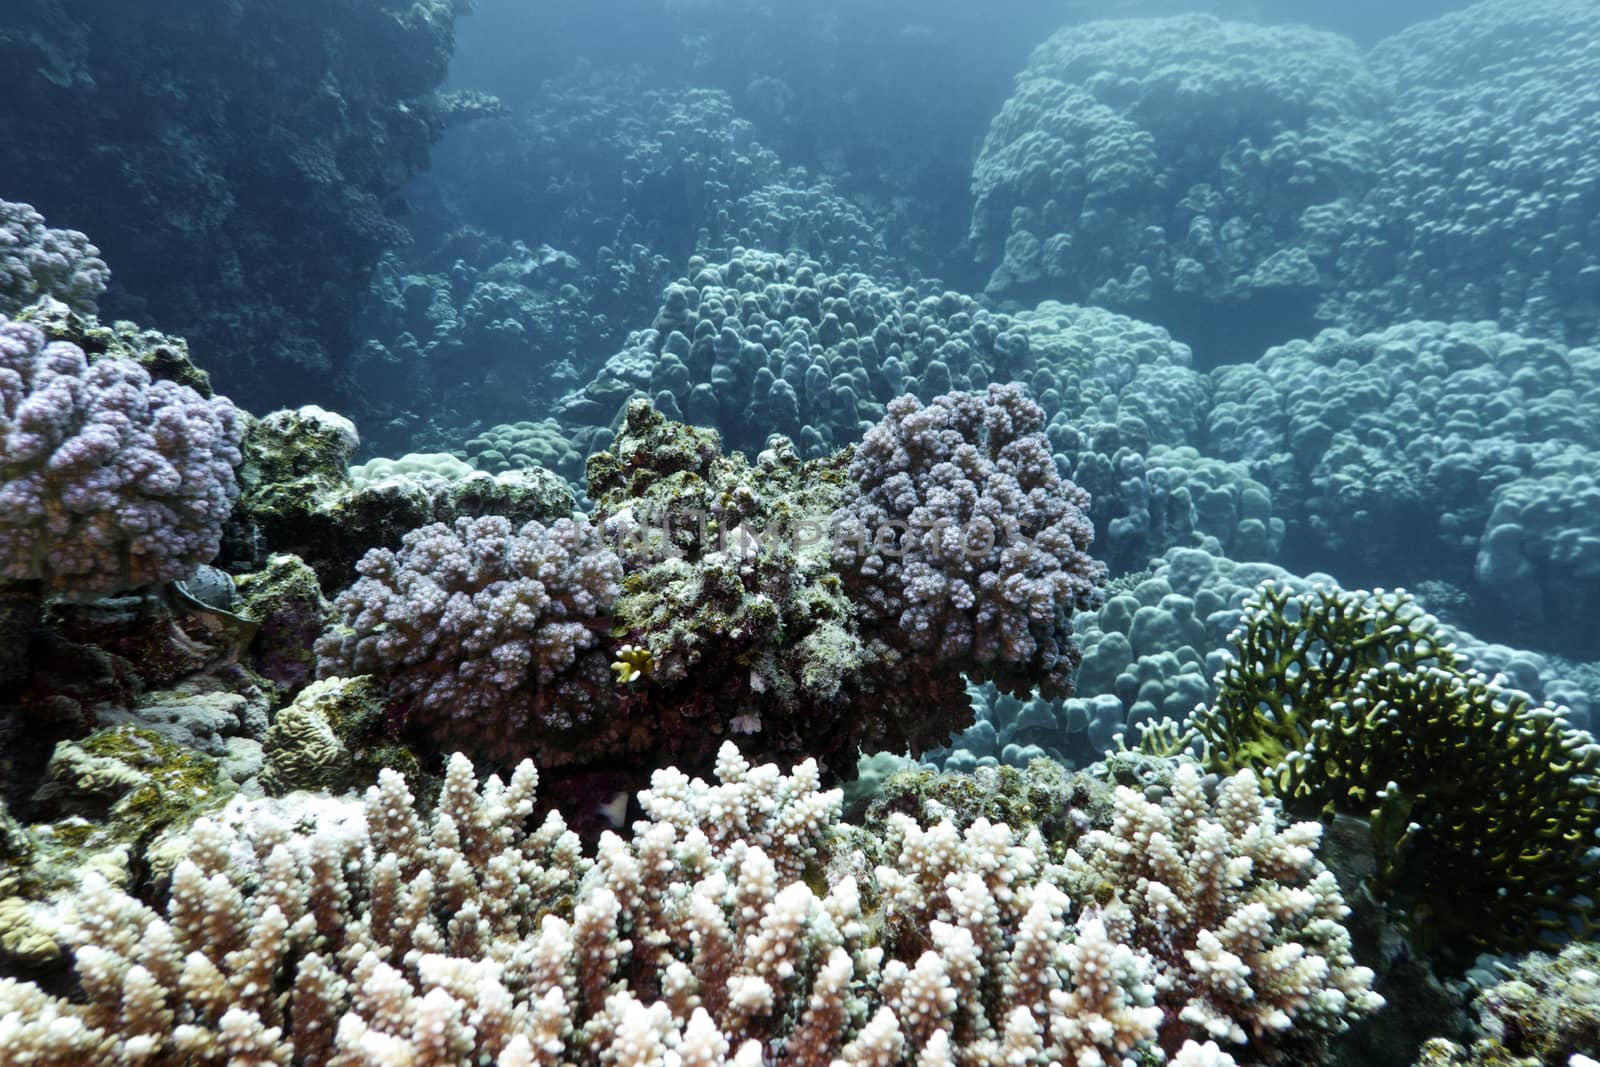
700,532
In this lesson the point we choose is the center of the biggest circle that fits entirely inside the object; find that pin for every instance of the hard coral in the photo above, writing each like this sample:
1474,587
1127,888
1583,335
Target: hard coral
37,261
491,639
108,480
1241,920
739,923
959,538
1485,807
732,595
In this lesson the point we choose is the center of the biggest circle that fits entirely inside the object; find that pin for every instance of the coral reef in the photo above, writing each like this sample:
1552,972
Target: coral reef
1476,214
520,445
738,621
1546,1011
489,637
1430,449
165,357
333,737
776,344
106,805
245,167
108,480
301,495
285,600
731,922
1241,920
956,526
37,262
1353,702
1186,168
765,343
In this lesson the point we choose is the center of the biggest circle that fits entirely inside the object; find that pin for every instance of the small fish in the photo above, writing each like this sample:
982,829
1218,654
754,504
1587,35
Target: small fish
615,810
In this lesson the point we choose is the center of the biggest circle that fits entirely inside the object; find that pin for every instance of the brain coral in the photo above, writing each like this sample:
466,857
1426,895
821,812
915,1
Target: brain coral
1175,165
490,638
956,525
108,480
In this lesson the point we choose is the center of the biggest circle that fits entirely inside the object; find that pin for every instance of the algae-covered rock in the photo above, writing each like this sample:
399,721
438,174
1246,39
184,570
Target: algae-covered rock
164,356
106,805
301,496
286,602
334,737
731,613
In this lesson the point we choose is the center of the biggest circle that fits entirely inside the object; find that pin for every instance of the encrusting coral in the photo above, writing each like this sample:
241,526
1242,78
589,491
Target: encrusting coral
741,923
1547,1011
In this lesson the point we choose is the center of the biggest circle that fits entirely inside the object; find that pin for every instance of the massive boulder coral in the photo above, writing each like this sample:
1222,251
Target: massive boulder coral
1182,167
740,923
37,261
957,532
773,344
490,638
108,480
1456,451
1478,211
766,343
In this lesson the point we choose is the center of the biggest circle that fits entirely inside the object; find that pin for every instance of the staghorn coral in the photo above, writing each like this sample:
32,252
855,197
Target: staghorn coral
740,924
956,526
1242,922
1485,806
108,480
489,638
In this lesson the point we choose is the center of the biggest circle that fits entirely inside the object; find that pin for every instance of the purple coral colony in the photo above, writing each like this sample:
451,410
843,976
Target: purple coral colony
689,533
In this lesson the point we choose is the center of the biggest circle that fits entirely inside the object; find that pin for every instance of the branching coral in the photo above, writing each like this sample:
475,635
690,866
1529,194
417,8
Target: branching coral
1486,808
1242,922
490,638
108,480
956,527
740,924
37,261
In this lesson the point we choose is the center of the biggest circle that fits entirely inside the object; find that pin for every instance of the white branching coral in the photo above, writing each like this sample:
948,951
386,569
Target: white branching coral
740,924
1240,920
